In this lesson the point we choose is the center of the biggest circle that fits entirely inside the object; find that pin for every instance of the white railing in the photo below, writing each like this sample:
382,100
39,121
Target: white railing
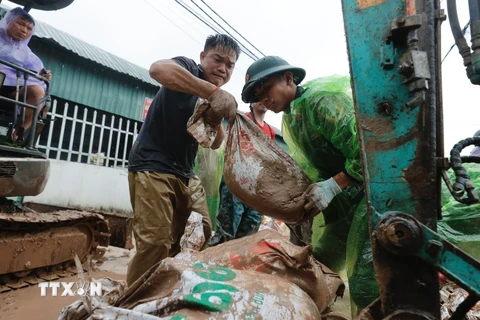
64,127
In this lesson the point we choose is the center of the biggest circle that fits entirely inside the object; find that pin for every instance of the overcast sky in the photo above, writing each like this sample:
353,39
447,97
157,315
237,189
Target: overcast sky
307,33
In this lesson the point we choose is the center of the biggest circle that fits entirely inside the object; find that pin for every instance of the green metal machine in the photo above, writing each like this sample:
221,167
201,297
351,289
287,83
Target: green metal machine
394,51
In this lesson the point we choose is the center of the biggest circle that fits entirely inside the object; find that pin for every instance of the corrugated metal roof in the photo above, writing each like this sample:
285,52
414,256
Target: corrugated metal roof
88,83
92,53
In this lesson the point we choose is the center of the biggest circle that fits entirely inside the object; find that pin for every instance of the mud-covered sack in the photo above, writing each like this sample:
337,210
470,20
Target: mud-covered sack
263,176
194,237
201,131
82,308
178,289
269,252
269,223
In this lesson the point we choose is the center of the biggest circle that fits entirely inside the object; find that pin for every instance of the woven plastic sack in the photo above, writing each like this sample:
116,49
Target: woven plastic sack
269,252
263,176
177,289
203,132
194,237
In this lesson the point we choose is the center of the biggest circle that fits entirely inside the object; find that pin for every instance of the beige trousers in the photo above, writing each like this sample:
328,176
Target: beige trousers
162,204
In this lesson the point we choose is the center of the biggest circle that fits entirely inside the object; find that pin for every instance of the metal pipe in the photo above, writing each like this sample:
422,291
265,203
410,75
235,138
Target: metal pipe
439,123
17,102
17,93
25,89
474,8
24,70
457,32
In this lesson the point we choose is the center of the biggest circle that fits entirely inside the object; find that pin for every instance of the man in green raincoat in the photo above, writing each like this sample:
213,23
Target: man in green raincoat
320,130
319,125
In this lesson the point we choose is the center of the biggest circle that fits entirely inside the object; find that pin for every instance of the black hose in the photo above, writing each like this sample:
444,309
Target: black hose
474,8
462,180
453,19
464,307
470,159
456,30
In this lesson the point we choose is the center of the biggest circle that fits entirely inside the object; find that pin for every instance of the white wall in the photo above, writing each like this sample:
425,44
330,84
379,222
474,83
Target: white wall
85,186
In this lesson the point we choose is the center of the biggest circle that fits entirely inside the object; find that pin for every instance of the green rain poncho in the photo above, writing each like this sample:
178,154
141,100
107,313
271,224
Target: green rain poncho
321,134
320,131
209,168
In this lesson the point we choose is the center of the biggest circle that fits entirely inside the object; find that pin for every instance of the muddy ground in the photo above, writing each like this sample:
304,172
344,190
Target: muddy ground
26,303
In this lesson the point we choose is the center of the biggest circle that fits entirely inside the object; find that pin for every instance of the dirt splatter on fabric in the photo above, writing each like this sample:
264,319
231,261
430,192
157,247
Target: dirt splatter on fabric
262,175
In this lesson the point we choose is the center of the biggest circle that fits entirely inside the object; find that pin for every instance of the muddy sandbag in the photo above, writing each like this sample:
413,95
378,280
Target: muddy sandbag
269,252
178,289
269,223
263,176
81,309
201,131
194,237
451,296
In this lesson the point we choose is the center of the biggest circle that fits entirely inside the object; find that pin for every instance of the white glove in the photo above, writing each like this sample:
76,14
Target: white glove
319,195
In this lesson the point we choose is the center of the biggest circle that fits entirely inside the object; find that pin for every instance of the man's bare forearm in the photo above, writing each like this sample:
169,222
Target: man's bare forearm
171,75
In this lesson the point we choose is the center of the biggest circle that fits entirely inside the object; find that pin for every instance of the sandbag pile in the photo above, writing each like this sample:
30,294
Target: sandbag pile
262,276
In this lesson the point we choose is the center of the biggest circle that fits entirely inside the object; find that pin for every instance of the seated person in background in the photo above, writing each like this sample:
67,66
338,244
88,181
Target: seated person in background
16,29
235,219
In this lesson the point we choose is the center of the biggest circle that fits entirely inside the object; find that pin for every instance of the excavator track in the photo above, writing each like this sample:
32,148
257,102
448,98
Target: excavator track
42,246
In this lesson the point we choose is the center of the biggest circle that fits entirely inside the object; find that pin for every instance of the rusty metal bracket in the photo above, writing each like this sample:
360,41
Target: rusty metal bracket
443,163
403,234
414,66
399,27
440,15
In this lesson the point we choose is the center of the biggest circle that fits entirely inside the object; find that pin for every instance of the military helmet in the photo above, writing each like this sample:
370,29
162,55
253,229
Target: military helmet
262,69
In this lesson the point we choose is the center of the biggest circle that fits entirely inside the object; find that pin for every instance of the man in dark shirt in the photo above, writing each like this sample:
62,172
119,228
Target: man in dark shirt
163,187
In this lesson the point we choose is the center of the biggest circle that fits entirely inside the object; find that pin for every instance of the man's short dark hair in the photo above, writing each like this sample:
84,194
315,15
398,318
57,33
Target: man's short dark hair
27,18
222,40
24,15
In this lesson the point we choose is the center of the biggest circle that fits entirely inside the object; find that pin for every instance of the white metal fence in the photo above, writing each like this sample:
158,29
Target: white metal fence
81,134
